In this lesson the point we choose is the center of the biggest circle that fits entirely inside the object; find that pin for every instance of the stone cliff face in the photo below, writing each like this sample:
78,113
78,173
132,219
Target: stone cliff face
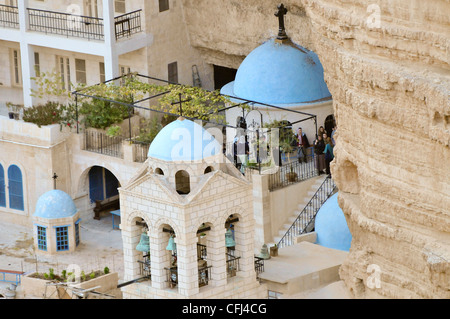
387,66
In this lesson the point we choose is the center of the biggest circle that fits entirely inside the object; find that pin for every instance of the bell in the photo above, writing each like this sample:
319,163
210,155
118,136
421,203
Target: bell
264,252
144,243
171,245
229,241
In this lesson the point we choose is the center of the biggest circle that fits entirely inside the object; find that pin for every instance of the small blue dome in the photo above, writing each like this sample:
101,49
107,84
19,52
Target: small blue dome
183,140
331,226
55,204
276,73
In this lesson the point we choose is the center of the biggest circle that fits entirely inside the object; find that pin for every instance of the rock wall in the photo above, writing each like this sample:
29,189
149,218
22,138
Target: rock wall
387,66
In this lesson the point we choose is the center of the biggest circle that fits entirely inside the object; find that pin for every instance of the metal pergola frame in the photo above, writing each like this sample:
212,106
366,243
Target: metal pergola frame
132,106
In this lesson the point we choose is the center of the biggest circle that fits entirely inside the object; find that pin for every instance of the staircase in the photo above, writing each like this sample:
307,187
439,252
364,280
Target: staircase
302,219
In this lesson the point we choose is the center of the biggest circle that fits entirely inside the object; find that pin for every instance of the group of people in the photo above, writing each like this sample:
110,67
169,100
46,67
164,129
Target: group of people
323,149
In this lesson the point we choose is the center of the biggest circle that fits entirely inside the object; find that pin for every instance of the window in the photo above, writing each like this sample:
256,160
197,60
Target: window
102,72
182,182
91,8
2,188
37,66
80,70
123,71
163,5
172,69
62,238
16,68
15,188
77,232
119,6
274,294
159,171
42,238
64,72
209,169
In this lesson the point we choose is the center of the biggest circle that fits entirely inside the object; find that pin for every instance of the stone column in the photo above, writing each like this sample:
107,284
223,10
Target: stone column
216,256
261,209
131,234
187,265
159,259
244,237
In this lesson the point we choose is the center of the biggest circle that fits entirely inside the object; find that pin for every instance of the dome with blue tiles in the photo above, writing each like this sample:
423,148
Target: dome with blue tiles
331,226
183,140
55,204
279,74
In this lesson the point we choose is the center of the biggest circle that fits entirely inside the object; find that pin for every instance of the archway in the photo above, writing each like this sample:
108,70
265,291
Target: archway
103,190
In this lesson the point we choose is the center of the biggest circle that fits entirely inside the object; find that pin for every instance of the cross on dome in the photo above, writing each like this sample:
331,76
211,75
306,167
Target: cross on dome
280,13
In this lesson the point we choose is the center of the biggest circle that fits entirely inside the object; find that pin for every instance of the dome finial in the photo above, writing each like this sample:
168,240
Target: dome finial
280,13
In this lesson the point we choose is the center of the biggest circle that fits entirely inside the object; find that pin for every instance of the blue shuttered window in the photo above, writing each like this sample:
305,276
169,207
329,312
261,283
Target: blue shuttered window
2,188
42,238
62,238
15,188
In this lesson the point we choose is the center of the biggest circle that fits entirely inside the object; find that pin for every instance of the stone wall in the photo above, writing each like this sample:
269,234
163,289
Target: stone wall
387,66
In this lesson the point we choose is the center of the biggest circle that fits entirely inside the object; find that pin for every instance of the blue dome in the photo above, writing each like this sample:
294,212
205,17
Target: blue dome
55,204
183,140
275,73
331,226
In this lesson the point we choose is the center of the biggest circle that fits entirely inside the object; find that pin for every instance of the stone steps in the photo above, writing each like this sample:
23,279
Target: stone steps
301,206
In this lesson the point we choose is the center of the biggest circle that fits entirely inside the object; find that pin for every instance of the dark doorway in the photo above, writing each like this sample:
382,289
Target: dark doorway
102,184
329,124
222,76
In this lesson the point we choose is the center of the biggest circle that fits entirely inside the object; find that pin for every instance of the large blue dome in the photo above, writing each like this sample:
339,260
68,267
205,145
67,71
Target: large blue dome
279,73
55,204
331,226
183,140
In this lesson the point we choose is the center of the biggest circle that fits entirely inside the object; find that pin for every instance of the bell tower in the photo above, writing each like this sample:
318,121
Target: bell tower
193,211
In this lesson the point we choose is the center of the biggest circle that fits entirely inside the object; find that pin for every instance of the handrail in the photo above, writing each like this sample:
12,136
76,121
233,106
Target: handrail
304,220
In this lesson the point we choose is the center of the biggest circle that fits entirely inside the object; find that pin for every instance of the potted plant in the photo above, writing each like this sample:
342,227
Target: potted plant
287,148
274,250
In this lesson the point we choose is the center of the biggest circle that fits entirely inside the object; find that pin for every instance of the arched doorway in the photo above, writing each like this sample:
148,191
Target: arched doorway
103,190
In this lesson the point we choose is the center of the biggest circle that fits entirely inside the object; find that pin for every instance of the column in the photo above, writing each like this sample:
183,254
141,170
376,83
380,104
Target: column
244,237
216,256
159,258
187,265
131,235
111,59
26,55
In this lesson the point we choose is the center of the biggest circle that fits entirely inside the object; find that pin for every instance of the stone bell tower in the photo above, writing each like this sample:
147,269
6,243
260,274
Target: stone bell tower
195,209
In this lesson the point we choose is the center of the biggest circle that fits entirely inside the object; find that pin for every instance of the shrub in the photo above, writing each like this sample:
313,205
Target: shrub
49,113
106,270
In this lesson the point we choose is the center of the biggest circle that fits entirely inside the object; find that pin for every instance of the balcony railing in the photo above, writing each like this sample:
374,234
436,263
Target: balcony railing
65,24
9,16
99,142
127,24
71,25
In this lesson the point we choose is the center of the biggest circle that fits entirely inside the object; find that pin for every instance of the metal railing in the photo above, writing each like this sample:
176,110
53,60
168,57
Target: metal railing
140,151
292,173
65,24
145,269
232,263
72,25
203,275
99,142
9,16
303,222
259,266
127,24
